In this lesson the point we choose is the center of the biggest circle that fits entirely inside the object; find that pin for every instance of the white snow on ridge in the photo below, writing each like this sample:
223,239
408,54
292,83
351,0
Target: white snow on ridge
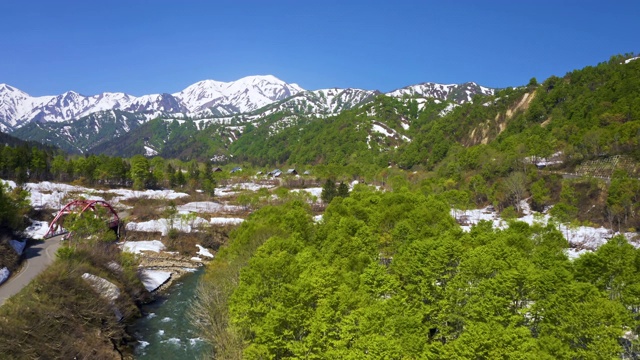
246,94
388,132
380,129
632,59
448,109
149,151
243,95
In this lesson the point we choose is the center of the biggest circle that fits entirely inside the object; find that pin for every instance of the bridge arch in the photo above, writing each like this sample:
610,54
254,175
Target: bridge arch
80,206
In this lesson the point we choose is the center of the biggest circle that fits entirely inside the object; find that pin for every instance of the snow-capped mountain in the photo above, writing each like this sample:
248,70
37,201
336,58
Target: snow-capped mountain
17,108
321,102
81,124
79,135
458,93
240,96
15,105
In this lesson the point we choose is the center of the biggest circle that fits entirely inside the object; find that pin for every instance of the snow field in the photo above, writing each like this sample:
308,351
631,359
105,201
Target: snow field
136,247
207,207
582,239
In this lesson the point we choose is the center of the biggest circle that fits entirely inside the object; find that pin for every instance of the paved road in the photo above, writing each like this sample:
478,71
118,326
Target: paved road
37,258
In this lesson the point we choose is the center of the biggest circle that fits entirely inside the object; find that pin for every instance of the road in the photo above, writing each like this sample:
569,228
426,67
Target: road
37,258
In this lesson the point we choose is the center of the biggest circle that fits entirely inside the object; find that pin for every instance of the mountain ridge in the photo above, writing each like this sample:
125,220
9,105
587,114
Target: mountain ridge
18,108
205,98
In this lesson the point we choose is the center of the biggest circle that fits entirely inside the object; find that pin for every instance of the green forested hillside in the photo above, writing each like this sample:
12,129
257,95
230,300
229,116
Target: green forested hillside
84,133
391,275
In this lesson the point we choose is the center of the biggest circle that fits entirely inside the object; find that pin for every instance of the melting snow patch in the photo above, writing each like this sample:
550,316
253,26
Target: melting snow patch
225,221
206,207
162,225
448,109
18,246
37,229
581,238
166,319
102,286
137,246
125,194
195,258
204,251
149,151
153,279
4,274
142,344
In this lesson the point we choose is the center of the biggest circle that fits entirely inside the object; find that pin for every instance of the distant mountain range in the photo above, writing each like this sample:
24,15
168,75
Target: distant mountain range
78,123
17,108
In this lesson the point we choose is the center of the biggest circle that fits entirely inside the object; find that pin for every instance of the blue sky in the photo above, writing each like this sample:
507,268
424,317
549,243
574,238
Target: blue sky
142,47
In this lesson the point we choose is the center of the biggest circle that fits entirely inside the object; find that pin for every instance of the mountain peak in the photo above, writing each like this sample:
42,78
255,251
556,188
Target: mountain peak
243,95
6,88
257,78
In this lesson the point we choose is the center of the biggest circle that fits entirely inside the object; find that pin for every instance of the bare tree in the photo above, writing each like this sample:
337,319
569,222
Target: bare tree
516,184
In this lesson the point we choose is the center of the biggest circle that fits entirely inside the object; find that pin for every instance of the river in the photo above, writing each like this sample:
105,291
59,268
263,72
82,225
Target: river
164,332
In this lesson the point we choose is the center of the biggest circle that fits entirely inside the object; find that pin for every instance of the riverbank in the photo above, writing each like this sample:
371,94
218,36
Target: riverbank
164,330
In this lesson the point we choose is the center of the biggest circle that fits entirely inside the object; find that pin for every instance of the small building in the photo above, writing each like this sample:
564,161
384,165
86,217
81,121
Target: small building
216,169
236,169
307,172
292,172
275,173
259,173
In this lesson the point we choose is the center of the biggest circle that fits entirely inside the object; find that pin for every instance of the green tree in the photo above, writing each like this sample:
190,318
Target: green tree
329,191
139,171
90,226
343,190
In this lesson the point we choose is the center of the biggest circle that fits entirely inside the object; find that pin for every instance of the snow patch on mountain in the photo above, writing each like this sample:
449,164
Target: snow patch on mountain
458,93
240,96
388,132
244,95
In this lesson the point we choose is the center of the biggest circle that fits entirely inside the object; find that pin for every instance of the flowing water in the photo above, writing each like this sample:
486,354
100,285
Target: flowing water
164,332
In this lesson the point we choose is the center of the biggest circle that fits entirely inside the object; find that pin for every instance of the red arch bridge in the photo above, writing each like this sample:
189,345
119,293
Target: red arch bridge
79,206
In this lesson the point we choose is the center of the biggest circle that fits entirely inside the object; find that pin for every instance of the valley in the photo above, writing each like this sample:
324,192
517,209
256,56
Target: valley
433,221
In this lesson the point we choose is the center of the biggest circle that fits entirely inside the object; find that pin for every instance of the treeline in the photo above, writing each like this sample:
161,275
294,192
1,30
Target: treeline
391,275
27,162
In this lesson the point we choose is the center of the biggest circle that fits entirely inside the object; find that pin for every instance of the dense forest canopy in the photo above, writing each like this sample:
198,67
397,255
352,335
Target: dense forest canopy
391,275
